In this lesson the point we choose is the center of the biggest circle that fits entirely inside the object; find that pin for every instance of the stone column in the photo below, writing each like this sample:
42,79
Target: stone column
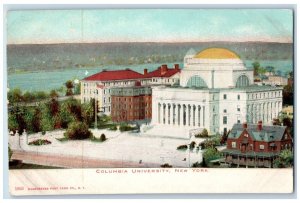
188,115
200,116
165,114
169,114
271,111
172,114
197,116
275,109
203,116
160,113
254,113
181,114
248,114
193,115
176,114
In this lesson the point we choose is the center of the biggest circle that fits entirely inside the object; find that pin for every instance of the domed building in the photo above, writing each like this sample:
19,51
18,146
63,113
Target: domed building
216,91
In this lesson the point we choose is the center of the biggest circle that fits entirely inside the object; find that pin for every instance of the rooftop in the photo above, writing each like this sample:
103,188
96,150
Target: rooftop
162,71
217,53
268,133
126,74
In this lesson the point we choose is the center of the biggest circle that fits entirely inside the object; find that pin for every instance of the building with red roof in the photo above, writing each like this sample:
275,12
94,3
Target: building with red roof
98,86
164,75
256,145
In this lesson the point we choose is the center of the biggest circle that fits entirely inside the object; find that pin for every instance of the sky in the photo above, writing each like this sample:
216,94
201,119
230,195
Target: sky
149,25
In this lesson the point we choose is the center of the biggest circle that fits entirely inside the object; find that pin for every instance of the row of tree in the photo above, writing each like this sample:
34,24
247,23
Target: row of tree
258,70
50,115
17,96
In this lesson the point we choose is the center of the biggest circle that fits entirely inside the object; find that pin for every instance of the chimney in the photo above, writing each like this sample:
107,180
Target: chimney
245,125
259,125
176,66
163,69
145,71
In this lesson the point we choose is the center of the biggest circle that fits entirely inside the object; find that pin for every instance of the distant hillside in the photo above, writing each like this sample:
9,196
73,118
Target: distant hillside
62,56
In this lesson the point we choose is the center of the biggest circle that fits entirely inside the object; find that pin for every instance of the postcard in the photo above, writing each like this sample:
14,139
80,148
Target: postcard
150,101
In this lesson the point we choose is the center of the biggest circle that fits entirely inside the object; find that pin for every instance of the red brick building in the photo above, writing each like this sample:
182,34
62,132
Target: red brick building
256,145
131,103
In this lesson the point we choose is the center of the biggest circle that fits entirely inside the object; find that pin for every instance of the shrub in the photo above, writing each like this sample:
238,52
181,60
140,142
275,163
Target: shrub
39,142
197,164
113,127
182,147
43,132
78,131
102,137
124,127
166,165
203,134
192,145
211,153
284,160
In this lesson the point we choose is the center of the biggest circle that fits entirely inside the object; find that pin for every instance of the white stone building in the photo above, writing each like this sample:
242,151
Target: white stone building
276,80
216,91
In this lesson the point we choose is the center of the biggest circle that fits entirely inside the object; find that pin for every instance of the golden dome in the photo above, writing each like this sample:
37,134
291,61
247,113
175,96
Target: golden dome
216,53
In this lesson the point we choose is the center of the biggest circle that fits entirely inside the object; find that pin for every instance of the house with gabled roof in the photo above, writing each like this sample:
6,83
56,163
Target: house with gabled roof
256,145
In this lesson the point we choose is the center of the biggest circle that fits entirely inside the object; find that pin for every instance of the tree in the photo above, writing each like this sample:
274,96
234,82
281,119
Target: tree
77,88
28,97
36,121
270,69
65,116
12,122
40,95
17,119
54,107
69,85
53,94
285,159
255,66
15,96
88,113
279,72
288,95
211,153
276,121
47,122
78,131
74,107
224,137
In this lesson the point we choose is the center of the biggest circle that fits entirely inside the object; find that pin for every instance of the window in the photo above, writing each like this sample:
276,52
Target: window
224,96
261,147
224,119
238,97
238,108
225,110
233,144
238,120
